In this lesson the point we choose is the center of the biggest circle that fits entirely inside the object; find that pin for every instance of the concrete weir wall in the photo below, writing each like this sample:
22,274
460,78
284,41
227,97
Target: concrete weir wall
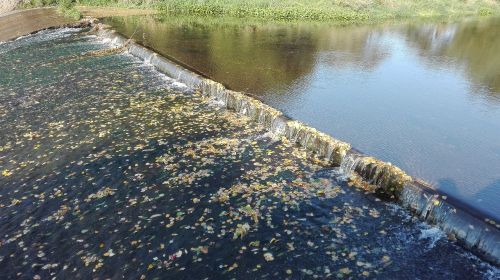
480,236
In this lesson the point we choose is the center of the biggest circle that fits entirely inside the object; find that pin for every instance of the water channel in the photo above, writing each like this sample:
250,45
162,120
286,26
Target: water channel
424,96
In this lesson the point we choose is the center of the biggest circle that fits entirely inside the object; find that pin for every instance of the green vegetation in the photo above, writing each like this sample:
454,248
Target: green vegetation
334,10
65,7
37,3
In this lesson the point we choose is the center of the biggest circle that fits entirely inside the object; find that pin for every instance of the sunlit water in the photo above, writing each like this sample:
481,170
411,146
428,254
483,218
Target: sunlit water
111,170
424,96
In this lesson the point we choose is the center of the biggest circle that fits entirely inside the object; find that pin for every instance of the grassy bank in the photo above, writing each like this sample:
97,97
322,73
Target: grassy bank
333,10
65,7
339,10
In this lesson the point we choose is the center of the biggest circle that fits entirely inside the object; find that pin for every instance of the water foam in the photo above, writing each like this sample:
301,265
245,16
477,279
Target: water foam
431,234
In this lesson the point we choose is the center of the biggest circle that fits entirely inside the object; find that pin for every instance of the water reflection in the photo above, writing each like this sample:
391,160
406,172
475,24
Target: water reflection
473,44
423,96
224,50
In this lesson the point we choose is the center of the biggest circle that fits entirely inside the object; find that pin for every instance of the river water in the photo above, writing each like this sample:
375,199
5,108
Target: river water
112,170
423,96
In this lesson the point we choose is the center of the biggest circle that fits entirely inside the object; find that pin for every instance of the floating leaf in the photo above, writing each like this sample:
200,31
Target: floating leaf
268,257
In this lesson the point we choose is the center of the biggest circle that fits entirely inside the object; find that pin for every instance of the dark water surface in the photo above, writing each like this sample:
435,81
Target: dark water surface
111,170
424,96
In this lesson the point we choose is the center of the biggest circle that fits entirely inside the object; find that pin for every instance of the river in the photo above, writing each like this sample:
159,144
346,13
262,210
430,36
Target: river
110,169
424,96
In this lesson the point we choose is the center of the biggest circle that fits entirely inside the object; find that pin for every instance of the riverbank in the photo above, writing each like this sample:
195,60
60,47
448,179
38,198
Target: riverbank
8,5
22,22
335,11
26,21
100,12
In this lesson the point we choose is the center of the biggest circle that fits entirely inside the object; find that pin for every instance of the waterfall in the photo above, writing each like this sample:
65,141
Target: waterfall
349,163
390,181
468,228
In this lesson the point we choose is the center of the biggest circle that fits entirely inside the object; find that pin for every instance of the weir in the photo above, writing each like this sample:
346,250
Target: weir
480,235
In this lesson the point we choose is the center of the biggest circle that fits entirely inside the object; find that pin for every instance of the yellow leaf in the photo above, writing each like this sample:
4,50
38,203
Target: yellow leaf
268,257
345,270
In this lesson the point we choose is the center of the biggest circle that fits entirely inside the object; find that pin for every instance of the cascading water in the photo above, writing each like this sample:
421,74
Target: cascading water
389,180
349,163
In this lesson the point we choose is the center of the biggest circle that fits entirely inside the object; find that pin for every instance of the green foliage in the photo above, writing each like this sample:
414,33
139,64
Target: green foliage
334,10
68,9
483,11
66,4
37,3
60,3
264,12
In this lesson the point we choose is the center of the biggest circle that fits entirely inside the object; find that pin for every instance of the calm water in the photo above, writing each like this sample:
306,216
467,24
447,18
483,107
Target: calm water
424,96
112,170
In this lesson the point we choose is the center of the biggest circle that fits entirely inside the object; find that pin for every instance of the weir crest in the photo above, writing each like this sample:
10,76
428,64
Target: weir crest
480,235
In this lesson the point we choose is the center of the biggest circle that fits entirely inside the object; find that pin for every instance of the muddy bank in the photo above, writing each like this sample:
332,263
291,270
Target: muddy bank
18,23
24,22
98,12
8,5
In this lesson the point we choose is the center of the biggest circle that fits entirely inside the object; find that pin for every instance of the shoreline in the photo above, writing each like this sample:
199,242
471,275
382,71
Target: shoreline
342,11
37,19
469,226
337,12
24,22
